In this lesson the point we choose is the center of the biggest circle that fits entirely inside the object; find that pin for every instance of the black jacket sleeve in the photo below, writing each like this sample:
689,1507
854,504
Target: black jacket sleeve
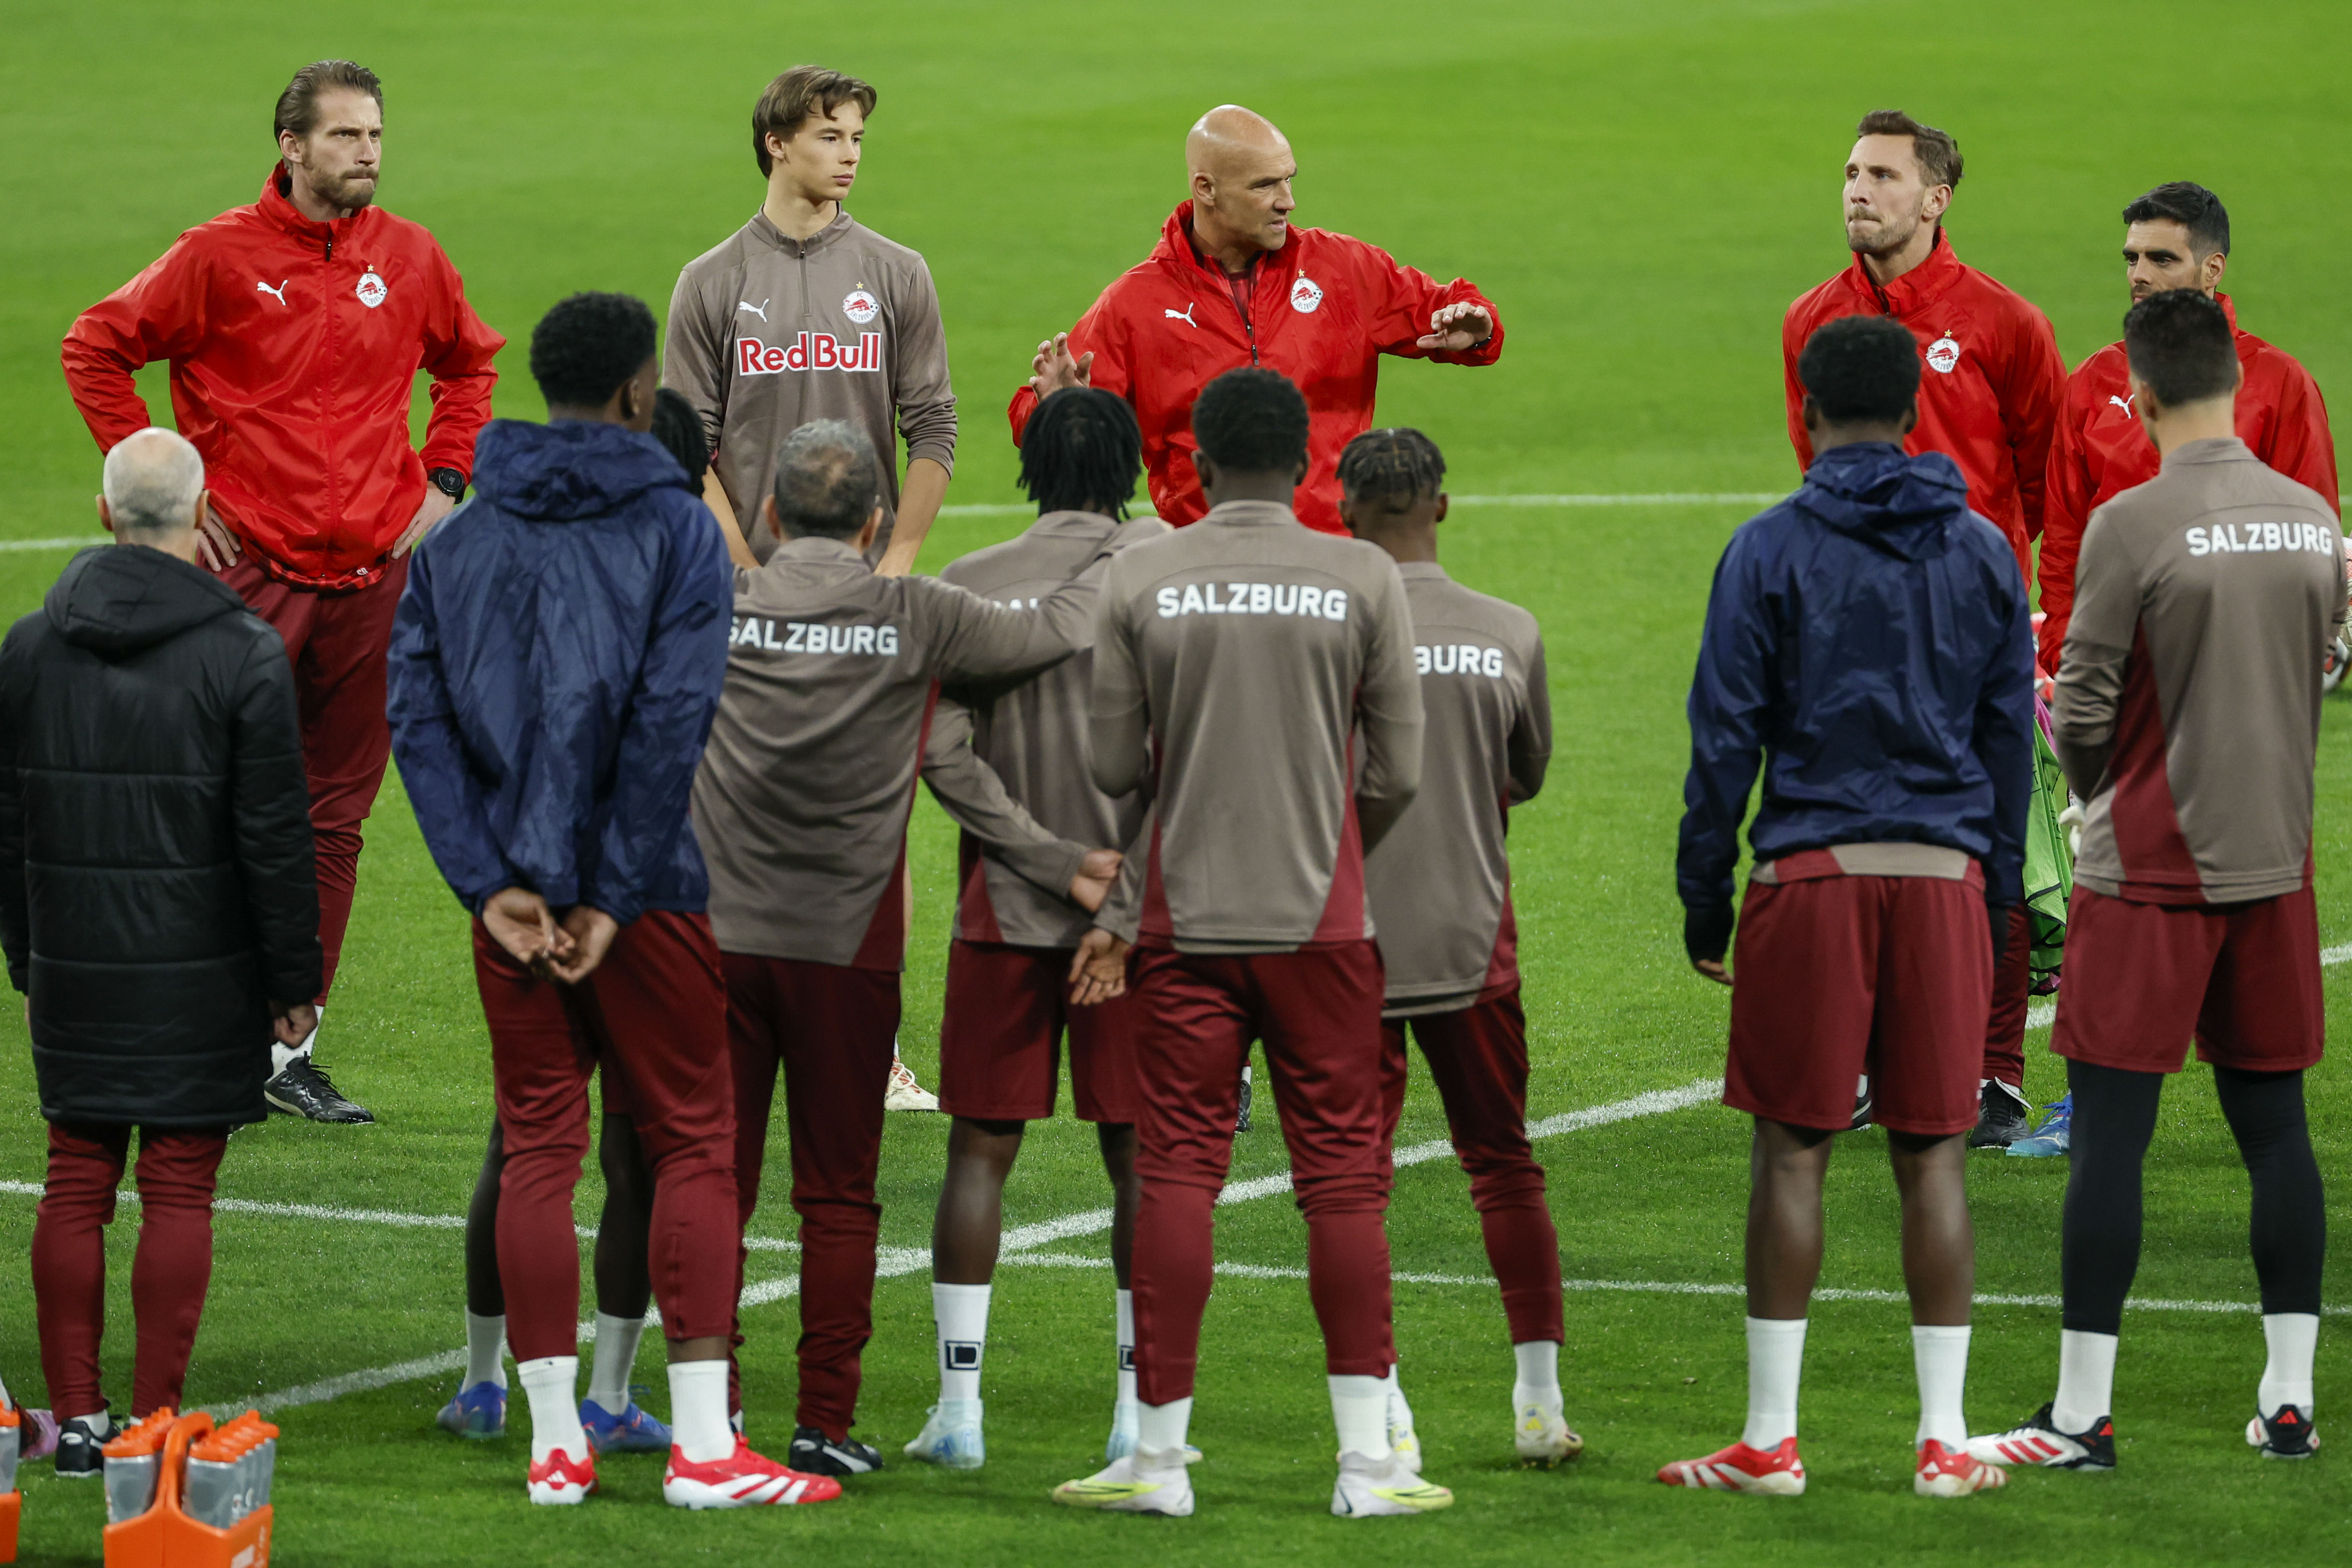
15,914
269,796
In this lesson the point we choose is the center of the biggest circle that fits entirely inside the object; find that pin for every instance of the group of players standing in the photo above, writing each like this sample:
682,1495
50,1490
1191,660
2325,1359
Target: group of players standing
1181,758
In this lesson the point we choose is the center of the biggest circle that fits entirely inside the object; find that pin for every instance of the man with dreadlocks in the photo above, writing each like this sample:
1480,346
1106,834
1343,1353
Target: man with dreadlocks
1440,886
1011,768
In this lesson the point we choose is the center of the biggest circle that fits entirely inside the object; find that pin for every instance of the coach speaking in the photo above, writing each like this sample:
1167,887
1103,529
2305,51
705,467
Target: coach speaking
1234,284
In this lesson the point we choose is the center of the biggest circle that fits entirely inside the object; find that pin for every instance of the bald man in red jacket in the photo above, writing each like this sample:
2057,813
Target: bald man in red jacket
1234,283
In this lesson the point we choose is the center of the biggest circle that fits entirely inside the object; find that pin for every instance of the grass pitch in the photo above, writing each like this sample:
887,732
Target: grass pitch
1643,190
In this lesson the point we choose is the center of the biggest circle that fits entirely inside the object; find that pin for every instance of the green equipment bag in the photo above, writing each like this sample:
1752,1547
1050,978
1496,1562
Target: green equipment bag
2049,864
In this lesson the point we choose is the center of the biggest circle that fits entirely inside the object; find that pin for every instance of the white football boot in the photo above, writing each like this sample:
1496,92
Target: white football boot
951,1438
1142,1482
1541,1436
1365,1490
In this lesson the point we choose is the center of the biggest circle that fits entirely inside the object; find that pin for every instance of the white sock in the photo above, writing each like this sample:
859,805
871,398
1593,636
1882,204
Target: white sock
2086,1379
486,1343
280,1055
552,1383
1359,1409
961,1313
1939,1353
1400,1414
1538,1382
1776,1357
2293,1338
1163,1428
697,1410
1126,1311
616,1353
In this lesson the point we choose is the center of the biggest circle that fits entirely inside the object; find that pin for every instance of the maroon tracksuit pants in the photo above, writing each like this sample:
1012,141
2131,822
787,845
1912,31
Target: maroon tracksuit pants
337,639
653,1016
829,1029
2012,984
168,1276
1318,1012
1478,1058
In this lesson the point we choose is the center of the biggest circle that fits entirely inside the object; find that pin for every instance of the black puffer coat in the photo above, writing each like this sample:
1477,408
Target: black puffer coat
157,887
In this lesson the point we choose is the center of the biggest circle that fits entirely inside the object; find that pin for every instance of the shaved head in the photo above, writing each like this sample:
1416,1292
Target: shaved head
1240,169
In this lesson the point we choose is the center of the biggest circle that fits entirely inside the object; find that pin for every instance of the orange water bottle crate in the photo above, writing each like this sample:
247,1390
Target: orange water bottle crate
181,1494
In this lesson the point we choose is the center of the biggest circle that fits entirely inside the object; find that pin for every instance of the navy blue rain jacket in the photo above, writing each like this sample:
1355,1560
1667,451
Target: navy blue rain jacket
556,661
1868,642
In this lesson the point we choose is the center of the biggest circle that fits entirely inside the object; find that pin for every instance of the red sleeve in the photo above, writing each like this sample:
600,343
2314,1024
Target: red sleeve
2065,511
1401,299
1792,343
158,315
2301,446
2029,408
459,349
1101,333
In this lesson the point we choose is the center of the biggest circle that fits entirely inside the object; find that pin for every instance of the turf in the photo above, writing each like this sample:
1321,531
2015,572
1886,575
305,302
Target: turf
1642,189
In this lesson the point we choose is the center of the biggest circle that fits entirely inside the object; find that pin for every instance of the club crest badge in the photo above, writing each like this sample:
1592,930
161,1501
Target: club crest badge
860,306
1944,355
372,291
1305,296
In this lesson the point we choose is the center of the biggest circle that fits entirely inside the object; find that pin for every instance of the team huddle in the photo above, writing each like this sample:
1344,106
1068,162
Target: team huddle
663,689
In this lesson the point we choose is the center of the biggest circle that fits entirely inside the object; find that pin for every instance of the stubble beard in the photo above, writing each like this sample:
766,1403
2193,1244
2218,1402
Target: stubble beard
1893,233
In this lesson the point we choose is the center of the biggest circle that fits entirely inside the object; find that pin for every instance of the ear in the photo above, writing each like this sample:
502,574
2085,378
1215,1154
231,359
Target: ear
1444,502
105,517
1298,476
1347,510
1911,419
2214,266
1206,467
1938,201
768,515
203,505
289,146
1204,189
776,146
865,536
1810,413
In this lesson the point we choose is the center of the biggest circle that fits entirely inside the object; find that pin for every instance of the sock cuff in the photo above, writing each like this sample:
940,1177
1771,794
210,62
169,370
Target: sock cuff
1791,1326
543,1363
966,1292
1948,1332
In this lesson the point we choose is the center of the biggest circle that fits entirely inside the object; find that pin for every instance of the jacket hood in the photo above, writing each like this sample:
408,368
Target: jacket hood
572,469
118,599
1875,492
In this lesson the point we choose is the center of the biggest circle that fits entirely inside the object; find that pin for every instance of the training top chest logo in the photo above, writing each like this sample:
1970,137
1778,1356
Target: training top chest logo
372,290
1185,314
860,306
1944,355
1305,296
277,290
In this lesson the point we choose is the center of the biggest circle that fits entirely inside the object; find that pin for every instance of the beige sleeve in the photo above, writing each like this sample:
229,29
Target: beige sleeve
919,389
971,793
694,356
1388,712
2098,645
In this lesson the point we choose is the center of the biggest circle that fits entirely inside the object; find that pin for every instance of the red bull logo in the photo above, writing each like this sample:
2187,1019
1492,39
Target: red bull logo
808,351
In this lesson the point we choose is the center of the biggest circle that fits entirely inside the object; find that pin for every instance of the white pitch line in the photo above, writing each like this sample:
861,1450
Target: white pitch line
2046,1014
53,544
1648,499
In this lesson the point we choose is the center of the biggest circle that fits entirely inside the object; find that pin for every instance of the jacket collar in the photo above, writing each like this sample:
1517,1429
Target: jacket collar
1074,526
1177,249
2221,449
1251,515
1916,290
815,549
763,226
1428,568
277,208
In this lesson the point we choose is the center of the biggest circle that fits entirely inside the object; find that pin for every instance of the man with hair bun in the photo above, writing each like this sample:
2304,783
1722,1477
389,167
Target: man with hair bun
311,300
556,666
1260,678
1868,648
802,803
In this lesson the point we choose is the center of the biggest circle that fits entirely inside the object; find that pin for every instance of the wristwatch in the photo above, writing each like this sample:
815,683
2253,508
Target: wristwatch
448,481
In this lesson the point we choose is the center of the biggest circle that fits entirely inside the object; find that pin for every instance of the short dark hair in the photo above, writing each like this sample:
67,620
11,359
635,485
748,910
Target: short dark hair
1082,451
2190,205
2180,344
793,98
1862,369
1394,468
828,480
1938,154
297,106
1252,422
680,431
587,345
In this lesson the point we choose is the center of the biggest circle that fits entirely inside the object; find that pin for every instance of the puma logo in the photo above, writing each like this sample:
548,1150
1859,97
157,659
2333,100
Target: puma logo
1185,314
2124,403
761,309
279,291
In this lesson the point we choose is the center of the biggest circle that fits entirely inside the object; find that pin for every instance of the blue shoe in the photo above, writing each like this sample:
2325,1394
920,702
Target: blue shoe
631,1432
480,1413
2054,1136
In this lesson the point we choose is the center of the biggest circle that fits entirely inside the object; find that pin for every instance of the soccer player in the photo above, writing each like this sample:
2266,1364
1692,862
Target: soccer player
1038,859
312,298
1233,284
1440,886
2187,717
1263,675
612,1420
1989,405
805,314
802,803
1868,642
556,661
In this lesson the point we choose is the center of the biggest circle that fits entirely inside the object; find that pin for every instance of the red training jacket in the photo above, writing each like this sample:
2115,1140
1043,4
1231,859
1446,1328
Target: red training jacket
294,346
1323,309
2101,451
1990,391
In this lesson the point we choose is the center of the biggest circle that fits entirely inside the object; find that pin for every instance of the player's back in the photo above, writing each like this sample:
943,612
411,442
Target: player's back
1440,881
1253,648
